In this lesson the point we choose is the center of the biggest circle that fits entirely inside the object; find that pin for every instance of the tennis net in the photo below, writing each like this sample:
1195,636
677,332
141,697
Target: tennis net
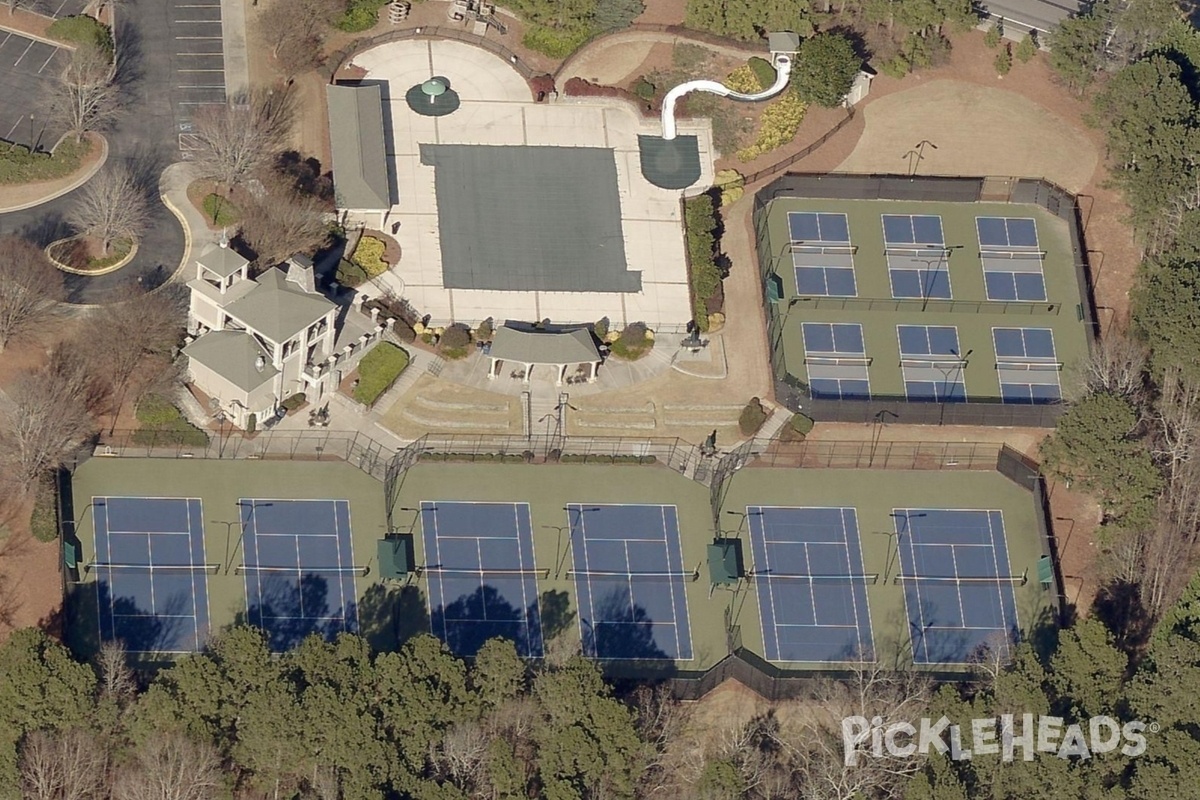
939,253
1031,366
933,363
693,574
1013,255
824,249
211,569
866,578
994,580
299,570
839,361
483,573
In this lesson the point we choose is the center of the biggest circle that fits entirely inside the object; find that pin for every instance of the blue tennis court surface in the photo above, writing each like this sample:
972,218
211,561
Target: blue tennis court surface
1007,232
299,568
482,578
957,588
150,573
812,595
630,582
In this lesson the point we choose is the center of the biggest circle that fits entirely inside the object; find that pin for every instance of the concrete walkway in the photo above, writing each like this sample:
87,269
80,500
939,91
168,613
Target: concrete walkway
233,34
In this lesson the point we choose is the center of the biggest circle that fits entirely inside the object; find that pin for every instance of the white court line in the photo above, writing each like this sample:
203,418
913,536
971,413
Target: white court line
27,49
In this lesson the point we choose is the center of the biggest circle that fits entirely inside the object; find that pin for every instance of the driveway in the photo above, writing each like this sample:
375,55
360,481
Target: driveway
172,48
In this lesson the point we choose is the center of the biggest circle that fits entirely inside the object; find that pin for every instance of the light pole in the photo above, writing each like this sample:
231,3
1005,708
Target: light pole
560,557
957,371
877,432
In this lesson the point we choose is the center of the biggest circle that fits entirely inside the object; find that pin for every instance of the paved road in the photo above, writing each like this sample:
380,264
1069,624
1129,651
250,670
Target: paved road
1039,15
162,95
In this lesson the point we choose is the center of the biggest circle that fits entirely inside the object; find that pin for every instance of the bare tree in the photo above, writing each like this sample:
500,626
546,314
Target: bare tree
282,223
85,97
62,765
1117,365
30,291
237,140
116,678
296,30
44,420
128,344
171,767
461,755
111,206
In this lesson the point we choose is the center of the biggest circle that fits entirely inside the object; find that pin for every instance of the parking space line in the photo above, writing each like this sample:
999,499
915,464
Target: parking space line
198,21
27,49
53,53
200,37
199,70
14,127
190,55
6,38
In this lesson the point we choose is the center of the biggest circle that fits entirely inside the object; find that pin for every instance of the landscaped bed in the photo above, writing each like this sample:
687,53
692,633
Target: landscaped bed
19,165
86,255
378,370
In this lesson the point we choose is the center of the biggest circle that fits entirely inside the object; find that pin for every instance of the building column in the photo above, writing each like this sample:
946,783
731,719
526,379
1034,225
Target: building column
492,370
595,365
528,372
560,374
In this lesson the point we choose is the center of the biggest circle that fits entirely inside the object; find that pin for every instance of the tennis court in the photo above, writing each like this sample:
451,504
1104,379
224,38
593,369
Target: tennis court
1027,365
835,357
917,257
932,364
822,254
1012,262
298,568
811,584
482,579
151,576
630,582
958,590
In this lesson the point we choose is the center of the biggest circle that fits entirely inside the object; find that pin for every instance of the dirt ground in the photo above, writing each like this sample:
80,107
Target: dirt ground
30,586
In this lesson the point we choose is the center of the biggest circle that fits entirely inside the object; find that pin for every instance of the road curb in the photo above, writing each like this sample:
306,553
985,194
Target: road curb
75,185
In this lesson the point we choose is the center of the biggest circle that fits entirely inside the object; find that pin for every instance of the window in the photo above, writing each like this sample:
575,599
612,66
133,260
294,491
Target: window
1012,262
822,255
1027,366
932,363
836,360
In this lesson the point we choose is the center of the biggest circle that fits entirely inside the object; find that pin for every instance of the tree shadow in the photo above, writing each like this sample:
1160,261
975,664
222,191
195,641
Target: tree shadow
131,58
1119,606
484,614
166,630
49,227
624,631
288,611
389,617
557,615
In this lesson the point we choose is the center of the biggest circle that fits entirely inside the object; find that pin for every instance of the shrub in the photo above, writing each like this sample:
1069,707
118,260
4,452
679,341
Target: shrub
895,67
731,184
360,15
578,87
701,223
554,42
84,32
252,423
368,256
994,34
744,80
925,51
219,211
752,418
294,402
403,331
456,337
762,70
161,423
1004,61
19,165
486,330
1026,49
600,329
634,342
350,274
378,370
644,89
634,334
44,522
778,126
541,85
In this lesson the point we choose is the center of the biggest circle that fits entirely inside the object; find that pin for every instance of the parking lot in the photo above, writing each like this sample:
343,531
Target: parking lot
27,68
197,63
57,8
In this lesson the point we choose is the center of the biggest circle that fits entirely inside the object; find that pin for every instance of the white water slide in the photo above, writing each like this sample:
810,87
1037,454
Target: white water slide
783,70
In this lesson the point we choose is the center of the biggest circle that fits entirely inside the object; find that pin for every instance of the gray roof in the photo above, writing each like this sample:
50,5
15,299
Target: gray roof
542,347
278,308
232,355
783,42
360,174
221,260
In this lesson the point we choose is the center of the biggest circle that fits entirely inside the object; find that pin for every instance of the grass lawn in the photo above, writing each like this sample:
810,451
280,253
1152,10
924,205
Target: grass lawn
378,370
18,165
160,422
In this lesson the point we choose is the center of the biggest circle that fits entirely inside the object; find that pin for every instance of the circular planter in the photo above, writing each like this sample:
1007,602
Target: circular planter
133,248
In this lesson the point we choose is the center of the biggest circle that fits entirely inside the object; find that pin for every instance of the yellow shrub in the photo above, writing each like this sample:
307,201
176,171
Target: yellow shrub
778,126
743,80
369,256
731,183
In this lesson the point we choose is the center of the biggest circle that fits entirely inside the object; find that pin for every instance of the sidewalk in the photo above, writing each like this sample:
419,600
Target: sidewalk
172,186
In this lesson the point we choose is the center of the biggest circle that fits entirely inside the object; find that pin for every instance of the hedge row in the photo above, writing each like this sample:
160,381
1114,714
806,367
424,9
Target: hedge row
700,221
